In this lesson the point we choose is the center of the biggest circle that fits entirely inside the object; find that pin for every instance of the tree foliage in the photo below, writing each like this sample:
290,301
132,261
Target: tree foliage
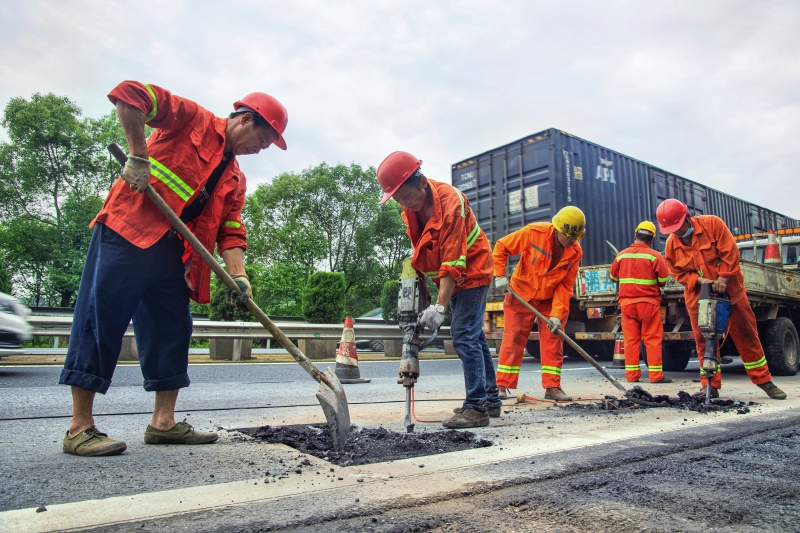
323,298
53,172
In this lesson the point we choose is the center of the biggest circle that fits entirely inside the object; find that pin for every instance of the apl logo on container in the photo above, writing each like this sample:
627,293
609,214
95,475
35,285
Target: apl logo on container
604,171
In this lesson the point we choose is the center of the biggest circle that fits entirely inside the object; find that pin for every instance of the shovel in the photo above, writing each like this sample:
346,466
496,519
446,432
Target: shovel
331,393
636,394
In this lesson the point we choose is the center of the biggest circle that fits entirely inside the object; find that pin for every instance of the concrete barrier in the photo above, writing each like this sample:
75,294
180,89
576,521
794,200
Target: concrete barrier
318,348
230,349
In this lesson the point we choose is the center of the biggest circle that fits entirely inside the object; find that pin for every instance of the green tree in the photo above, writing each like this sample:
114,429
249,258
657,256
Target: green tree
389,295
5,279
53,172
323,298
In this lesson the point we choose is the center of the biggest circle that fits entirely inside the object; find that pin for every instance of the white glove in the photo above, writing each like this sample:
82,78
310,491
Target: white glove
555,325
501,283
136,172
431,318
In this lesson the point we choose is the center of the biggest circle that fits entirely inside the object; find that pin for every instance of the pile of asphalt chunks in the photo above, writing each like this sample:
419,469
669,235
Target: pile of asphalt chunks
683,400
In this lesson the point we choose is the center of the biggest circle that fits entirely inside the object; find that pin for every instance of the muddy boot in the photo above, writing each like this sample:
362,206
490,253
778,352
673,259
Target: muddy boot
467,418
504,392
555,393
772,391
494,412
702,393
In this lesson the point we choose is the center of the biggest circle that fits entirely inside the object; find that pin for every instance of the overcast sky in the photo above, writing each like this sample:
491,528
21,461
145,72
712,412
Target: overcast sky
706,90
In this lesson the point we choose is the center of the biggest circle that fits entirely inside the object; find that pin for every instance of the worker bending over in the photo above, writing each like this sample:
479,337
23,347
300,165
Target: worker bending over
450,248
545,275
701,249
137,267
639,272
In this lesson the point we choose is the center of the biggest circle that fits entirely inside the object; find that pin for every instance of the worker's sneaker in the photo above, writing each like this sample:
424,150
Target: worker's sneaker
663,380
702,393
504,393
772,391
182,433
494,412
555,393
465,417
92,443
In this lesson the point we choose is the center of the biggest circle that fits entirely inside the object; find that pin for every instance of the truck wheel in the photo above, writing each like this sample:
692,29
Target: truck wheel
675,355
781,346
533,348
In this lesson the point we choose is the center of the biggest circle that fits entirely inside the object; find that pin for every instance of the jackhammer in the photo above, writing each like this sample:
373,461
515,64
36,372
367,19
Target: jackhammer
411,302
713,314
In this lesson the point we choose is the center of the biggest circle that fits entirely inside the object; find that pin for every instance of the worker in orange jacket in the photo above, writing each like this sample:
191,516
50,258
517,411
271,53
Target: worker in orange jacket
452,250
701,249
639,272
138,269
545,277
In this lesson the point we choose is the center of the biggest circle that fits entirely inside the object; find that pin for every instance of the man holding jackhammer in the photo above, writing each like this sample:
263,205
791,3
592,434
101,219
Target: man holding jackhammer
451,249
545,277
701,249
139,268
639,272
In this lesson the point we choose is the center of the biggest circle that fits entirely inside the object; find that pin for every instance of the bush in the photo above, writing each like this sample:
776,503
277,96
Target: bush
389,301
323,298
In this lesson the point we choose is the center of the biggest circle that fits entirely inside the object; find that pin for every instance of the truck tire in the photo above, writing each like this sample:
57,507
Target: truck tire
781,346
533,348
675,355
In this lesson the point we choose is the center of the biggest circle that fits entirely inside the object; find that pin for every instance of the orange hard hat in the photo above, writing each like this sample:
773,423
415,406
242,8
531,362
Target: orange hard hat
394,171
671,213
270,110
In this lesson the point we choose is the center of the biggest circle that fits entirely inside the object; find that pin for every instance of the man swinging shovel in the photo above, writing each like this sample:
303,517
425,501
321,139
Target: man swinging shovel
138,268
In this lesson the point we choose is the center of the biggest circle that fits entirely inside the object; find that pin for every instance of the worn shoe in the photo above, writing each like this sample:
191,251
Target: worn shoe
92,443
182,433
494,412
467,418
702,393
555,393
663,380
504,393
772,391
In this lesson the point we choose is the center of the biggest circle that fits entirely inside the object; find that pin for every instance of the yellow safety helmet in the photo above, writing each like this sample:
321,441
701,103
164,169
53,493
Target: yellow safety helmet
570,222
646,227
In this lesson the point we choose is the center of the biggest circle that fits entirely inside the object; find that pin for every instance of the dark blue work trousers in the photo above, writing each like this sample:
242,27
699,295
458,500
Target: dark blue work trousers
121,282
469,340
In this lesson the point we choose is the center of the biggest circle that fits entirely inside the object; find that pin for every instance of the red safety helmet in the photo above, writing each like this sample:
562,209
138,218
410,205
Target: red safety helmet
394,171
670,214
270,110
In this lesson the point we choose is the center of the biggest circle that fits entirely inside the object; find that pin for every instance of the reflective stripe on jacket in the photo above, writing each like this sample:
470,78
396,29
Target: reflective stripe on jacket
639,271
451,242
712,253
184,150
534,279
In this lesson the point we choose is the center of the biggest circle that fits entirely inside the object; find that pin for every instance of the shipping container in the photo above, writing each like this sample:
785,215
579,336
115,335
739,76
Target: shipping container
529,180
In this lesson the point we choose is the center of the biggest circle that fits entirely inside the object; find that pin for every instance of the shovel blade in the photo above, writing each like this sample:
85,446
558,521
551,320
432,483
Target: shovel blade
334,404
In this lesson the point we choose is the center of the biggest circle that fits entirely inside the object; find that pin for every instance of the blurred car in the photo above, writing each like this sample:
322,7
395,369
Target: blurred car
14,326
376,345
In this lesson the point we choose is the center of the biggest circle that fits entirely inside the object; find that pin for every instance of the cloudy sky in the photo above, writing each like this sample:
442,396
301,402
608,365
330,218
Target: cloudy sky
709,90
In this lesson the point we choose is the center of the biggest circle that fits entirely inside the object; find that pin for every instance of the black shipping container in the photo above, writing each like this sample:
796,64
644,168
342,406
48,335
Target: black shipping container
529,180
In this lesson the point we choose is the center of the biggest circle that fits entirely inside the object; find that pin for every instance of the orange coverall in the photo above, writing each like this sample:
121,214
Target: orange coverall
546,287
713,253
640,271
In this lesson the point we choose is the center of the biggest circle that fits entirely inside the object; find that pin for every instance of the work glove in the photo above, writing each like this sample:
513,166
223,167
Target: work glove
136,172
239,299
555,325
501,283
431,318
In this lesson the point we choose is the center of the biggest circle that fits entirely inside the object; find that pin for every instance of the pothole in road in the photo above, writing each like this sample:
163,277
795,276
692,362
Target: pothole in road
366,445
683,400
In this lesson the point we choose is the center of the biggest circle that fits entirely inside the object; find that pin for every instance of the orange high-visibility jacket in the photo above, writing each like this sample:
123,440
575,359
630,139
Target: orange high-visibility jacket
184,150
535,279
713,253
640,271
451,242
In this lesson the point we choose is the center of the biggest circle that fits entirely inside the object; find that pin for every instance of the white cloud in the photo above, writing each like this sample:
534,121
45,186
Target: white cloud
707,90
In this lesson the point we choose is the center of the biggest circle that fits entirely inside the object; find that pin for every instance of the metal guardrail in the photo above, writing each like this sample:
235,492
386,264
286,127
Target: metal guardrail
59,326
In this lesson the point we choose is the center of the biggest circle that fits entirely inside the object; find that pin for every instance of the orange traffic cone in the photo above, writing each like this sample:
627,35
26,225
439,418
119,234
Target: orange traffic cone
773,252
347,357
619,353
